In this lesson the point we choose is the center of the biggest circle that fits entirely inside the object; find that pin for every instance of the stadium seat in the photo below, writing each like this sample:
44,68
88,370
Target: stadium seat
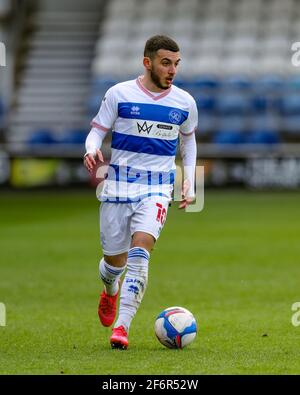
205,81
262,137
290,104
266,121
93,103
272,63
205,102
237,82
204,65
238,63
206,123
264,102
208,45
243,44
42,136
293,83
269,83
291,124
229,137
237,123
73,136
233,104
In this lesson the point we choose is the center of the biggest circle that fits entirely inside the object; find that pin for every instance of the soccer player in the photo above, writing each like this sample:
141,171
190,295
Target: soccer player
147,116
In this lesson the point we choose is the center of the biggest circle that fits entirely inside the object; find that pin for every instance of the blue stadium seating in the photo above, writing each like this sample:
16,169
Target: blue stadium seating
291,124
269,83
229,137
290,104
293,83
237,82
41,136
266,121
265,101
74,136
237,123
233,103
206,123
205,101
204,82
93,104
262,137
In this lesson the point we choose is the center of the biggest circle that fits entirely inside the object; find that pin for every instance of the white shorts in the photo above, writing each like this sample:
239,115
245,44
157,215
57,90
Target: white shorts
119,221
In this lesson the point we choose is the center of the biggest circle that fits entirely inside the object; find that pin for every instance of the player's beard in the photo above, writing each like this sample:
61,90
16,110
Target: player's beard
156,80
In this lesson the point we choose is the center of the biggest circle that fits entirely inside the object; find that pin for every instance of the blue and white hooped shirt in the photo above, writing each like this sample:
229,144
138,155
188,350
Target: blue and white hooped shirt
145,130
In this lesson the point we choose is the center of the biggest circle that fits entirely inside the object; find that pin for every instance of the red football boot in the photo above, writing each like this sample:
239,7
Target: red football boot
107,309
119,338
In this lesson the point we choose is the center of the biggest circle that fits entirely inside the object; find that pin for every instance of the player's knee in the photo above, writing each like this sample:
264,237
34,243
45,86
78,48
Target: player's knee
116,260
143,240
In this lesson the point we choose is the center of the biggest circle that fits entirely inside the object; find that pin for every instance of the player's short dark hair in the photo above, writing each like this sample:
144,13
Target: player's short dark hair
155,43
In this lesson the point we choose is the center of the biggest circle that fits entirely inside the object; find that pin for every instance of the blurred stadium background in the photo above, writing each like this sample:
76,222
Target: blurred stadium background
61,57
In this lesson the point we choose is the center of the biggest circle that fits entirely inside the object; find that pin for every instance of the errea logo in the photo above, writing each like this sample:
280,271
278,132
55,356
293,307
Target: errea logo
135,110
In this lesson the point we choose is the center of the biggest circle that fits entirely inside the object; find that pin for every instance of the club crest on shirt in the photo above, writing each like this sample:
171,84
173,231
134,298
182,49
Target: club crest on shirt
175,117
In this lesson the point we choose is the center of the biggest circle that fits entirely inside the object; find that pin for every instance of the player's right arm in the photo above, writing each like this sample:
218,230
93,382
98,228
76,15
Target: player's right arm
92,145
101,124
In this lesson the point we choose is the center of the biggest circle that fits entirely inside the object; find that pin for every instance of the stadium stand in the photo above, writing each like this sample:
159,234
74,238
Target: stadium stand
55,72
5,9
236,63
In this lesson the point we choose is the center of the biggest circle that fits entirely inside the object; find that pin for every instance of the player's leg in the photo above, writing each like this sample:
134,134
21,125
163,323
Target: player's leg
133,287
146,225
115,240
136,278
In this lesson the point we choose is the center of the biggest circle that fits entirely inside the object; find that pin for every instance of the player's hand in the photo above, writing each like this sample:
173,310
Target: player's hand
185,200
90,161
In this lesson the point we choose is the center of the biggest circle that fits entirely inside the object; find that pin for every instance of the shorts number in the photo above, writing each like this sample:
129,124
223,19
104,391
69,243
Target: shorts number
161,213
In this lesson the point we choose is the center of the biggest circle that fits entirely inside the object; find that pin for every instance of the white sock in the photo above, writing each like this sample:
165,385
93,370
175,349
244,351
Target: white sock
110,276
134,285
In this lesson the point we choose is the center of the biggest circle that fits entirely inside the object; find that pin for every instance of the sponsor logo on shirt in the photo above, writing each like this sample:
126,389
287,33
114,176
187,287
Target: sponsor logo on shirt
166,127
144,127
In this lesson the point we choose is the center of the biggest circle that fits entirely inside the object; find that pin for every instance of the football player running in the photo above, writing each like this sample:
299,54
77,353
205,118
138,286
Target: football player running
146,116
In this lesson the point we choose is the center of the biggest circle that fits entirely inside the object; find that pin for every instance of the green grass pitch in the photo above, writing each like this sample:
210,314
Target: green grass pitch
236,266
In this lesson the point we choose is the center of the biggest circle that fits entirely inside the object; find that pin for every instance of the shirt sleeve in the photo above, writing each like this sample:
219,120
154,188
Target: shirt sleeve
94,141
108,112
190,124
188,149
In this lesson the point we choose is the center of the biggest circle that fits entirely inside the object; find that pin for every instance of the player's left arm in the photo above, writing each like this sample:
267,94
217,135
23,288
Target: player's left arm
188,150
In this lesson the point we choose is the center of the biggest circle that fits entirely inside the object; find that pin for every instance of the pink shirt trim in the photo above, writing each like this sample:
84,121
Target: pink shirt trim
97,126
154,97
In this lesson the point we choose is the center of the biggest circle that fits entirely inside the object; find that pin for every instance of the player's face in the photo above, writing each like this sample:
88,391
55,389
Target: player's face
164,68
